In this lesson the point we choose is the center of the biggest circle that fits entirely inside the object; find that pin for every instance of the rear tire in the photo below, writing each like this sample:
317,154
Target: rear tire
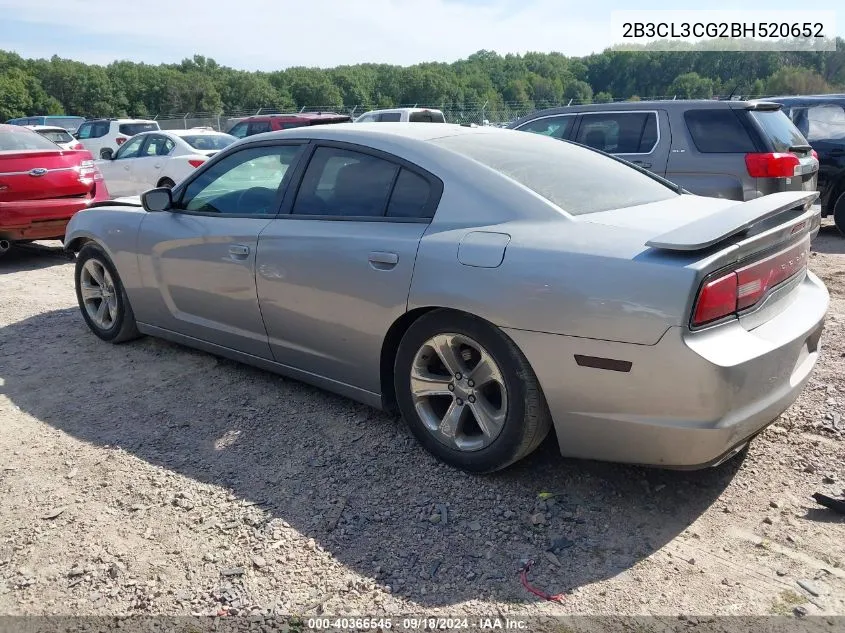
480,425
839,213
102,297
166,182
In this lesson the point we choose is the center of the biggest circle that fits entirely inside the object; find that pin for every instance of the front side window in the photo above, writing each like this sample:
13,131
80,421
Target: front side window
341,182
258,127
244,183
130,149
239,131
554,126
619,132
85,131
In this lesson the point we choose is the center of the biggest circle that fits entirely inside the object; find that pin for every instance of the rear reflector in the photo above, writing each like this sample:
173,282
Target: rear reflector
815,154
738,290
120,140
772,165
195,162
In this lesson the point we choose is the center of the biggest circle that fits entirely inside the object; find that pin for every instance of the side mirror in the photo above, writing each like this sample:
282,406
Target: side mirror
107,153
160,199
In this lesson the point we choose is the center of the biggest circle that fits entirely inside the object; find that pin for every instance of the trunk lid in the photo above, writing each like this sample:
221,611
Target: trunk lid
765,242
43,174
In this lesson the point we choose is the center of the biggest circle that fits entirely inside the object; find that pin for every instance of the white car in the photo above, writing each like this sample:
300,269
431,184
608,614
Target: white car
402,115
159,159
99,134
58,135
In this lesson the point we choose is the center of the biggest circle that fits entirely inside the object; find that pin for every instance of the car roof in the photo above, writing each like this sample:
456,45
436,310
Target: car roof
296,116
409,110
189,132
46,128
832,98
366,133
119,120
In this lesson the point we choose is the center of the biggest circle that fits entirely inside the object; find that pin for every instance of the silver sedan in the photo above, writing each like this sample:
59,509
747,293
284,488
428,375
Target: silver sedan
489,285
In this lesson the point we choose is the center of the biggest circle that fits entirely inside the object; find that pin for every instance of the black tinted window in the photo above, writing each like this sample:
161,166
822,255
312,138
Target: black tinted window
410,197
718,131
576,179
554,126
780,131
344,183
426,117
258,127
619,132
390,117
131,129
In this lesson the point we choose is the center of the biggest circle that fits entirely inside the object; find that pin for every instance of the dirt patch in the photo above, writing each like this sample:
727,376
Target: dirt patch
150,478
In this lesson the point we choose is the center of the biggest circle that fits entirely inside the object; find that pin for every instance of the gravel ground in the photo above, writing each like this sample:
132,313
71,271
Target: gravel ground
150,478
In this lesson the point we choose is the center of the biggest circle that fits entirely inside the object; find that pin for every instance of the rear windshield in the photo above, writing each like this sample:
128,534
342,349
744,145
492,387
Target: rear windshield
57,136
576,179
780,131
427,117
70,123
208,142
21,139
131,129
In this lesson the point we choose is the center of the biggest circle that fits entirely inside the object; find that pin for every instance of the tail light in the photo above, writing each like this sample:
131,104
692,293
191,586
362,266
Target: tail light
728,293
195,162
772,165
120,140
77,146
88,170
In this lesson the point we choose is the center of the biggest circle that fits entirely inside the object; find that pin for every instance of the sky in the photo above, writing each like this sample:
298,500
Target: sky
275,34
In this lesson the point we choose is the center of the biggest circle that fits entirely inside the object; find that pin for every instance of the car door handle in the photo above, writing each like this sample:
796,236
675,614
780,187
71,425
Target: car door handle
238,251
642,164
381,260
157,165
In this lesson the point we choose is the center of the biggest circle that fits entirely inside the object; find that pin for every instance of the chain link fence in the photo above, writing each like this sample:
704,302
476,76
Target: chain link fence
478,113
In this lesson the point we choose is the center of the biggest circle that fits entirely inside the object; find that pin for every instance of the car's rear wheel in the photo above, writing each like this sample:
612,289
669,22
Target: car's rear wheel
102,298
839,213
166,182
467,393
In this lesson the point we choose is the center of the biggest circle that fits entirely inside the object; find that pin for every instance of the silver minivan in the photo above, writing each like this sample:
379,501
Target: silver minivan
739,150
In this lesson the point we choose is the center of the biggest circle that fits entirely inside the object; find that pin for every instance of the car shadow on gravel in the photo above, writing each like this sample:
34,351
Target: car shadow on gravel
32,256
348,476
829,240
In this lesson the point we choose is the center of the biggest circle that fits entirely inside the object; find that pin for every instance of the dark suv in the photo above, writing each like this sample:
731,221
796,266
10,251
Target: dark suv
821,118
738,150
272,122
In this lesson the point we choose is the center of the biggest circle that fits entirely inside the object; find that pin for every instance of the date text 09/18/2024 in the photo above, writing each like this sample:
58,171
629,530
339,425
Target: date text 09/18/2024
415,624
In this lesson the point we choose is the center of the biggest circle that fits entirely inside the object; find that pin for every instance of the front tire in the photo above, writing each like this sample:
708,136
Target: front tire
839,213
102,297
468,393
166,182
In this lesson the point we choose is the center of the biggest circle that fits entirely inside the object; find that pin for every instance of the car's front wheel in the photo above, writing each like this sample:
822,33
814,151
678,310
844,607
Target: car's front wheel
839,213
468,393
102,298
166,182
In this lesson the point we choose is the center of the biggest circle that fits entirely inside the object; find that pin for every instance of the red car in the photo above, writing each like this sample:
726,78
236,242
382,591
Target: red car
272,122
42,186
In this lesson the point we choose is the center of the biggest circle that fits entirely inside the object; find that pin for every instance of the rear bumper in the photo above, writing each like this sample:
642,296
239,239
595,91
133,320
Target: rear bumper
41,219
687,401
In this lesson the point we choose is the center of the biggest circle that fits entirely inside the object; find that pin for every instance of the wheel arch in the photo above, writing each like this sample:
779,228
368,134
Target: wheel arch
390,347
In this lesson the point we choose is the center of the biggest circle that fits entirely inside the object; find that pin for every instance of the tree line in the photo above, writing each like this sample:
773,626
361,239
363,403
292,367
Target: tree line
531,80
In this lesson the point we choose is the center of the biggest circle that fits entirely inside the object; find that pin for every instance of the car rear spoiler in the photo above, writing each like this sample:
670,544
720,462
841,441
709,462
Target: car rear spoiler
705,232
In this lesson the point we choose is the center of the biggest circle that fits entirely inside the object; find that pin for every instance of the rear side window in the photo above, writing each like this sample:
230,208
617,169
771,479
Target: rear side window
410,197
576,179
23,140
131,129
344,183
619,132
390,117
258,127
780,131
718,132
427,117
